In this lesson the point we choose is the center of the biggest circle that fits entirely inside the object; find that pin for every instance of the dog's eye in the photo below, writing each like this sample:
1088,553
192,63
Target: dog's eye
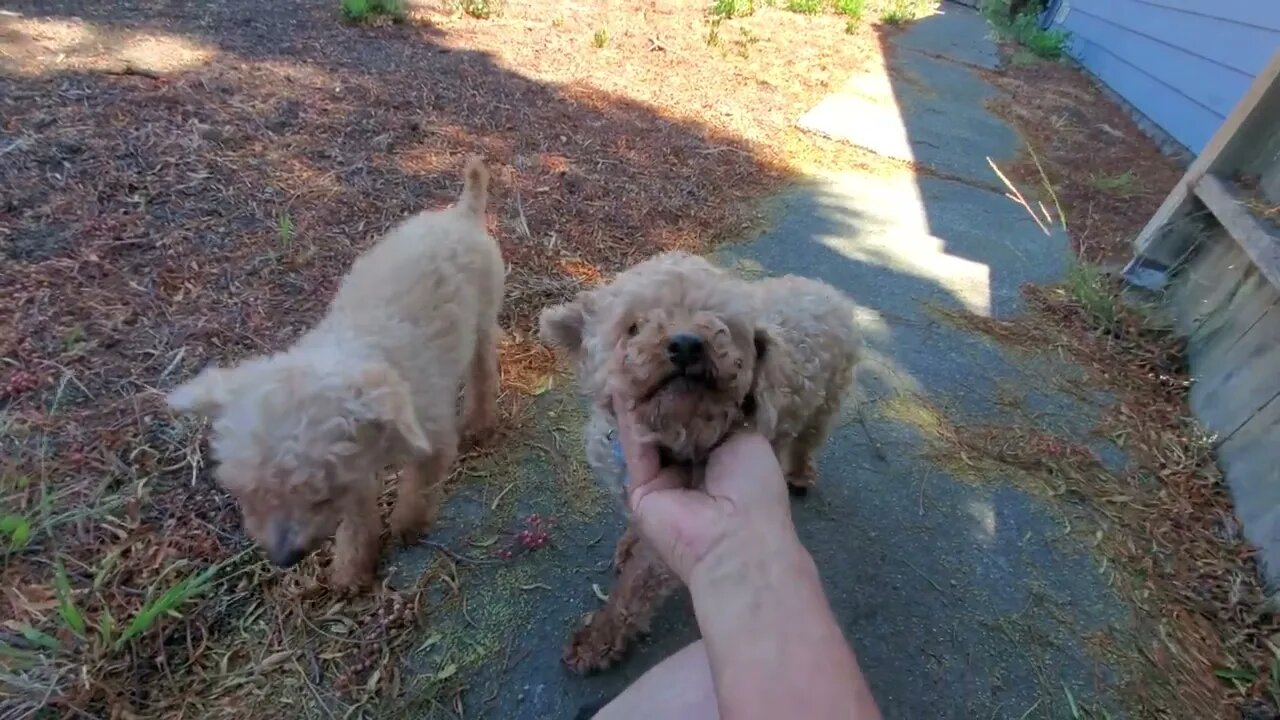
633,329
738,363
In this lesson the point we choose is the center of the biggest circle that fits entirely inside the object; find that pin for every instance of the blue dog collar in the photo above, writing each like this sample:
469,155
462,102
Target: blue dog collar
618,457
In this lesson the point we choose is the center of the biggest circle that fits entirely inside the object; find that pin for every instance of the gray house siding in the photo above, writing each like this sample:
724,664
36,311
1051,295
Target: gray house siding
1182,63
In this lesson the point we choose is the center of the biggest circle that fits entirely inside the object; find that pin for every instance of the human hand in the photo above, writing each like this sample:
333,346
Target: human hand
743,506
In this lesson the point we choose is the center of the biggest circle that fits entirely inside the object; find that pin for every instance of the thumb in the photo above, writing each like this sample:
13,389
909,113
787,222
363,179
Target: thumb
675,521
666,479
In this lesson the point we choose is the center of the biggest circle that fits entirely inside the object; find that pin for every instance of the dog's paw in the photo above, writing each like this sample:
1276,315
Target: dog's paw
407,525
592,648
479,427
351,578
801,480
797,490
409,522
622,553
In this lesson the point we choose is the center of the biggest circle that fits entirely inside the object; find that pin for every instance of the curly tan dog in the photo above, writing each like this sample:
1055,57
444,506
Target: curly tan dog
301,436
699,353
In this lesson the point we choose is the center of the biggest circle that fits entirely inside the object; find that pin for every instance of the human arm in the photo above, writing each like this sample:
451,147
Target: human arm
772,641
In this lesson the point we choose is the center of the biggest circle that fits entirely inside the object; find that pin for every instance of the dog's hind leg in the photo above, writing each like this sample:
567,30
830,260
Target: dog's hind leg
802,465
644,581
480,413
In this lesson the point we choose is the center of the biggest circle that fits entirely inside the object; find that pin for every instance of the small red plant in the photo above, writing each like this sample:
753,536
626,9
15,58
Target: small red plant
533,536
20,382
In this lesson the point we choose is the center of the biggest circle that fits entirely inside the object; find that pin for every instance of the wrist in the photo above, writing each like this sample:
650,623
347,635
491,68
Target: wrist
760,558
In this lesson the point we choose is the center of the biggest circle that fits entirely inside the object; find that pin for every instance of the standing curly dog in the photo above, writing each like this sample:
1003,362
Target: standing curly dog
302,436
698,353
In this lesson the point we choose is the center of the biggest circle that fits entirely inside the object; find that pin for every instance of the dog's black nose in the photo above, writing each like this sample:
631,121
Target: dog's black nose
684,349
287,557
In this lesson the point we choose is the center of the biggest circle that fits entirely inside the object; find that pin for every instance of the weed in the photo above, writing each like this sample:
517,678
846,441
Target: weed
897,12
284,233
1122,185
485,9
713,34
852,8
18,530
1025,30
71,615
732,8
601,38
168,602
893,16
805,7
1089,287
373,10
557,22
744,43
851,27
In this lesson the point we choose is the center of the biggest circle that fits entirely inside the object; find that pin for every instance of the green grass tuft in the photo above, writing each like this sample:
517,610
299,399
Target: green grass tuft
1123,185
485,9
18,530
805,7
168,602
601,38
285,233
852,8
373,10
1090,287
71,615
732,8
1025,30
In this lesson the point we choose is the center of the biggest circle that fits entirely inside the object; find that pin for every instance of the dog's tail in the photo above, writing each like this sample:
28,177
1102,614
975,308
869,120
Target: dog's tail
475,186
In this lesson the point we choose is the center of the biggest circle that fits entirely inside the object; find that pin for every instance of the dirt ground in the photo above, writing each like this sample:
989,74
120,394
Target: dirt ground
183,182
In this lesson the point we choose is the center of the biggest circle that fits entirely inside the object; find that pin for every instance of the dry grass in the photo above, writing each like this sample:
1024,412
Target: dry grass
187,183
1164,522
1091,164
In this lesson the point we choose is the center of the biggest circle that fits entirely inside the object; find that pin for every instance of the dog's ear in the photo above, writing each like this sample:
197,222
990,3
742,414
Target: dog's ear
383,398
769,383
564,325
206,394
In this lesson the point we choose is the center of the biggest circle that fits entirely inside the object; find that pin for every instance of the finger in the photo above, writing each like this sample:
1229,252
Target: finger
667,479
641,457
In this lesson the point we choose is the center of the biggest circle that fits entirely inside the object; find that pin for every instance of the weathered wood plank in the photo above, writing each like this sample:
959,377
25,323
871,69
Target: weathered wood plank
1227,396
1220,331
1248,458
1259,241
1207,283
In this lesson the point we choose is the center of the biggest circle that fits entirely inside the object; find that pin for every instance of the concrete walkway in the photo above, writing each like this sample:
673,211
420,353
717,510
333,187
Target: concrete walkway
963,600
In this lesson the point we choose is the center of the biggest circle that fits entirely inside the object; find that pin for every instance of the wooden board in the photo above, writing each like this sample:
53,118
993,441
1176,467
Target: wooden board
1219,332
1207,283
1256,238
1249,460
1243,380
1234,130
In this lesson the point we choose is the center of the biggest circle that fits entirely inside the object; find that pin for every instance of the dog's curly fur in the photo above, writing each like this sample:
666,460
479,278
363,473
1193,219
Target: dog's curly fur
302,436
779,357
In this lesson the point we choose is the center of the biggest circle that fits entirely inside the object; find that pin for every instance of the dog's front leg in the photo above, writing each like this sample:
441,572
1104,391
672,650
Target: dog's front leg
356,548
643,582
421,488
